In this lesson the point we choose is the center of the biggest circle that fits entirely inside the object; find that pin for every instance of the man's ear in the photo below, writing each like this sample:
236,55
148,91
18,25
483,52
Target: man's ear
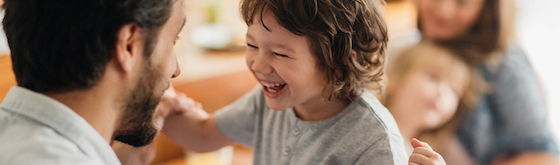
128,46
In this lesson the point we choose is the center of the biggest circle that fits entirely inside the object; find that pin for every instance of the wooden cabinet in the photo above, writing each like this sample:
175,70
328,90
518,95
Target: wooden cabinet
7,77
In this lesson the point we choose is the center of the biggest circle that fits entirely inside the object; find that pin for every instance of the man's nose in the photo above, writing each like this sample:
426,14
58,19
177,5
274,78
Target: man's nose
177,70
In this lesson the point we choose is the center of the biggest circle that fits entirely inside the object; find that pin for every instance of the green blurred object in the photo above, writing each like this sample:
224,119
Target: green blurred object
212,10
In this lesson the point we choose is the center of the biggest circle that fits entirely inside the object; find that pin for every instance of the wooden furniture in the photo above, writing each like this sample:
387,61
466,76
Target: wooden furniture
7,77
241,156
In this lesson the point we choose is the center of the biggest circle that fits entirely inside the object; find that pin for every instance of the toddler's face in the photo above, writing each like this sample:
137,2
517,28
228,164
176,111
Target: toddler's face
283,63
428,97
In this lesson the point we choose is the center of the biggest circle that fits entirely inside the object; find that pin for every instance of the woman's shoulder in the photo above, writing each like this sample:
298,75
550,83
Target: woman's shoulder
511,64
514,58
515,82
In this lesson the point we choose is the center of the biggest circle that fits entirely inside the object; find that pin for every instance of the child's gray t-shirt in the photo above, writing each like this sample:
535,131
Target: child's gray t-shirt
363,133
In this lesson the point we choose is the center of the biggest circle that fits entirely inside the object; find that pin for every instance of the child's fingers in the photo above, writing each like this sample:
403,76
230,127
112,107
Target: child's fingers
159,121
198,105
170,92
181,94
425,155
420,159
426,152
185,103
412,163
417,143
171,88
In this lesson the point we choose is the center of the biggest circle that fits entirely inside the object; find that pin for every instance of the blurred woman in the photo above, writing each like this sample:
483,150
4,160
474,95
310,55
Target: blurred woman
509,124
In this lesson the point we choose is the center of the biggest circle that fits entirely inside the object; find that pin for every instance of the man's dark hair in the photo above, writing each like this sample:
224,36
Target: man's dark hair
64,45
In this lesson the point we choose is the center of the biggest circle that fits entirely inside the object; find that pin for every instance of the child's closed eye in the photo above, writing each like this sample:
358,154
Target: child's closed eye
252,46
281,55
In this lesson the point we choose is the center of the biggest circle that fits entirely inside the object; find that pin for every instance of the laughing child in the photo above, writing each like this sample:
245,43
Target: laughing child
316,61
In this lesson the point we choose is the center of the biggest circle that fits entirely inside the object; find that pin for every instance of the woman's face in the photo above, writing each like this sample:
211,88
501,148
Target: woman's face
447,19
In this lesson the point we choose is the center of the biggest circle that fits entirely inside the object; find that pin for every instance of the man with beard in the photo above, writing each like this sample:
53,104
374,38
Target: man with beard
89,72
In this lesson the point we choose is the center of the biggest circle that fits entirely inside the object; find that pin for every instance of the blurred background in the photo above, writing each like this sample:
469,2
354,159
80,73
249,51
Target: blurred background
538,33
211,57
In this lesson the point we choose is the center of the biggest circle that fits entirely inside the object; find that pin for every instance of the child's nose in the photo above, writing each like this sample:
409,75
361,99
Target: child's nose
260,64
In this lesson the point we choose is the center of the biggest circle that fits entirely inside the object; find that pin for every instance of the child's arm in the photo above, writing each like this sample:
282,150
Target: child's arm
189,125
423,154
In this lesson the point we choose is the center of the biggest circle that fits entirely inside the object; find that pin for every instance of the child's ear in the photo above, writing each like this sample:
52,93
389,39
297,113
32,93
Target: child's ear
354,54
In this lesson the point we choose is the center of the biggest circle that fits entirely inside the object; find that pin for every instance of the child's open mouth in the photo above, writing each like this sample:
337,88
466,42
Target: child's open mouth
273,87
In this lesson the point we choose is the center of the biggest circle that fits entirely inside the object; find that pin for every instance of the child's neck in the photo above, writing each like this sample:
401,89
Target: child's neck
320,110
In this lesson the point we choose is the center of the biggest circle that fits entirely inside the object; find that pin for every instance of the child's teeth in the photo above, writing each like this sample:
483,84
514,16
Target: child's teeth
272,90
271,84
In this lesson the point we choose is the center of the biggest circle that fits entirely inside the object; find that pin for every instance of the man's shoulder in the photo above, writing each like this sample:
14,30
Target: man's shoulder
24,141
43,157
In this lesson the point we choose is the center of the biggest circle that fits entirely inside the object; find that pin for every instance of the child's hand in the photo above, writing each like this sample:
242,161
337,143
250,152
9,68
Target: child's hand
423,154
177,102
173,102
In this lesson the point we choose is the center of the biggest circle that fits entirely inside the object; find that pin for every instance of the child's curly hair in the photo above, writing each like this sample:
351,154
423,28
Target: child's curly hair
348,37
